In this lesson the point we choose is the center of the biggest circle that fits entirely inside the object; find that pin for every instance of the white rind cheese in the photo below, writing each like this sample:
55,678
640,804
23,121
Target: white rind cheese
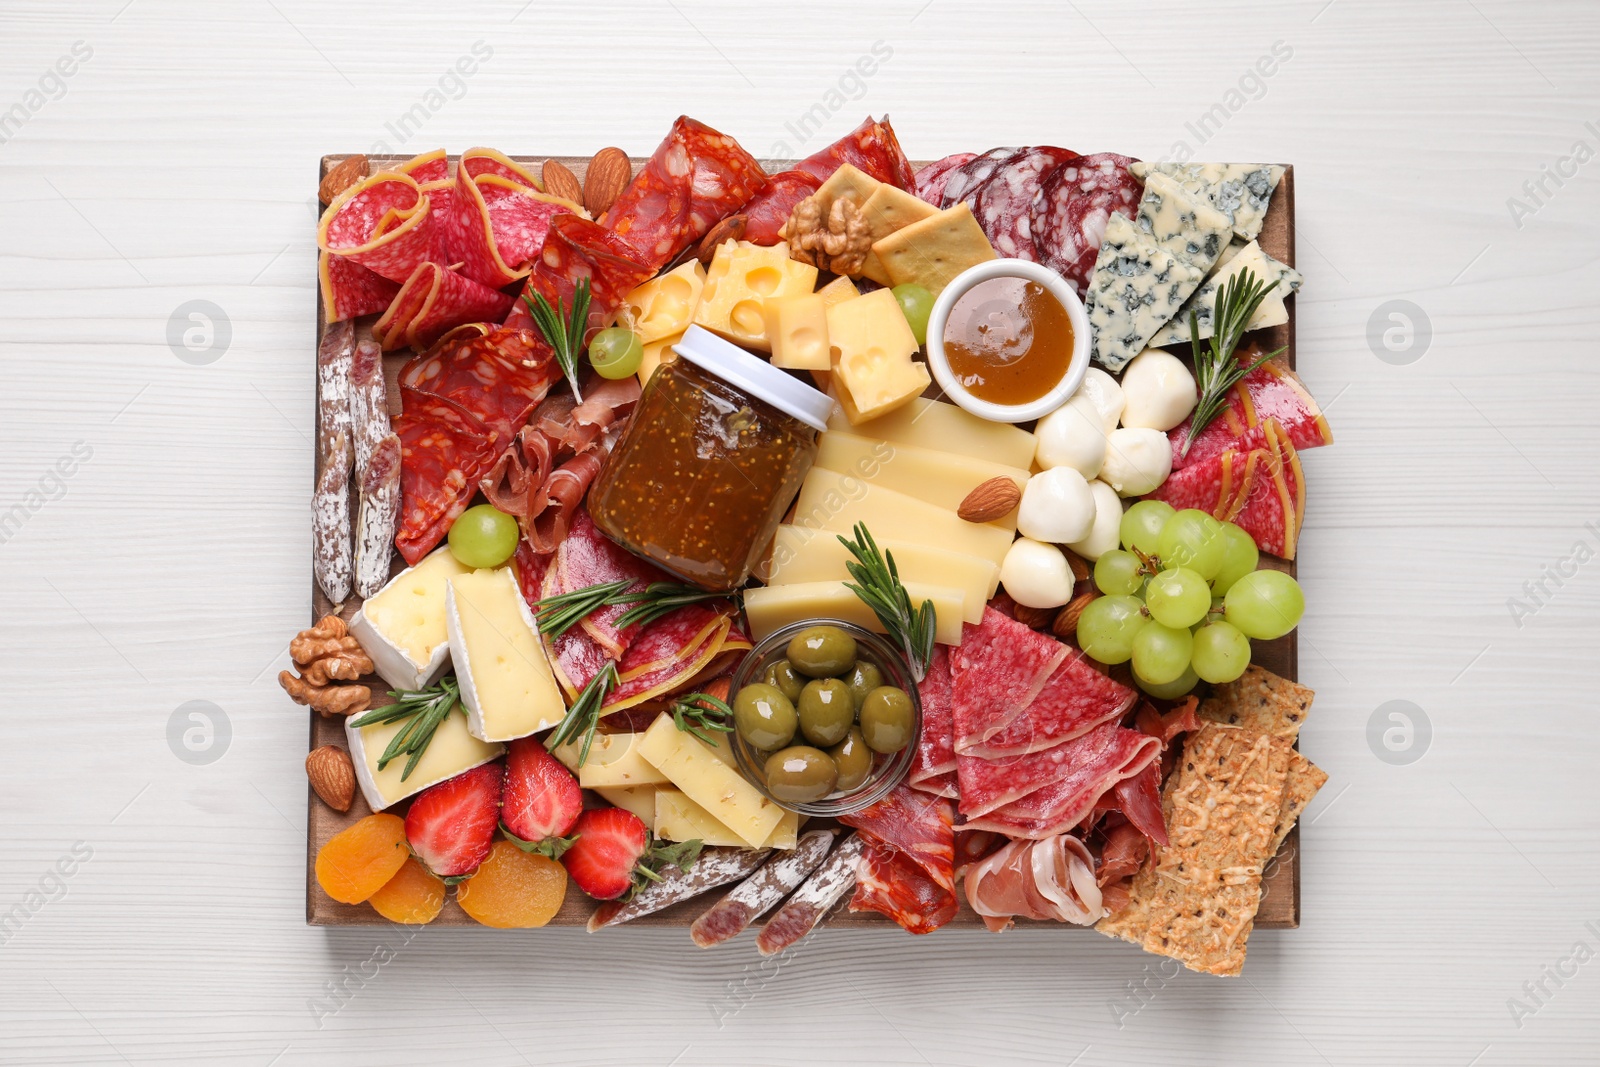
1183,224
402,626
451,752
507,685
1203,303
1136,288
1242,191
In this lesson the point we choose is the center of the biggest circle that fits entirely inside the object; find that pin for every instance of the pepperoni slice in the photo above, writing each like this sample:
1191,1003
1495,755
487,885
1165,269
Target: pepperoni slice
1076,200
929,183
1003,204
498,378
350,290
766,214
872,148
444,451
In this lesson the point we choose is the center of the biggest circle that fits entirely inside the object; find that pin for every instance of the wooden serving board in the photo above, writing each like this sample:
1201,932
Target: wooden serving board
1280,891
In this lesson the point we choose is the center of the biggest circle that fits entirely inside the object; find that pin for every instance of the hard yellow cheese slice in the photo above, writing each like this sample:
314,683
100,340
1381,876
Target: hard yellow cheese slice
946,428
677,818
779,605
832,501
801,556
711,780
941,478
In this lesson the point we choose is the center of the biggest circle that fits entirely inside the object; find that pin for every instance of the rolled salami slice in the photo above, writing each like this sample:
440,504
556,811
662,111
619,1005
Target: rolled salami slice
377,515
762,891
385,223
871,147
1003,204
716,866
445,451
350,290
428,167
433,301
766,214
330,502
812,901
1076,200
477,161
930,180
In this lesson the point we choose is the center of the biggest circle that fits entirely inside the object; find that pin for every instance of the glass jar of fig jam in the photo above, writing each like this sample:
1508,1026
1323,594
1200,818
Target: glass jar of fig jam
713,457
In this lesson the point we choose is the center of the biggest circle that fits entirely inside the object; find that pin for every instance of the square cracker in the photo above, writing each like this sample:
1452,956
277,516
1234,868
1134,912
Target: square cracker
1301,783
1197,902
934,250
1260,700
889,209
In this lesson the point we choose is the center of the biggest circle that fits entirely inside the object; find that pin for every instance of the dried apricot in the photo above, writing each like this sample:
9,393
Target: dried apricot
413,895
514,888
358,860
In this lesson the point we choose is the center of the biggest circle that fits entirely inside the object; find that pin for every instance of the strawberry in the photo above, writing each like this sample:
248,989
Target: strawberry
613,855
451,825
542,799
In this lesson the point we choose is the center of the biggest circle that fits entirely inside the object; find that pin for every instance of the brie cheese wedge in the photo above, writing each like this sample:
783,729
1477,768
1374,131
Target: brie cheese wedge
506,682
402,626
452,751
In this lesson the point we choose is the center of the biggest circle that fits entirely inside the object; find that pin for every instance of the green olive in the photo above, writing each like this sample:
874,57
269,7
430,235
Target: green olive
800,774
827,709
863,678
886,719
822,651
783,676
764,717
854,760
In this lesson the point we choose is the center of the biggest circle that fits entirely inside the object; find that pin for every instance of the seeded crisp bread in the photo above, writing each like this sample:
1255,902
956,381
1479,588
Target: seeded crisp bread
1197,902
1260,700
1303,780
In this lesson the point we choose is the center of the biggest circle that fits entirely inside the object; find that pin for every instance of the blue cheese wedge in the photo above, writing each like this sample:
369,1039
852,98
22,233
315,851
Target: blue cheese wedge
451,752
1136,288
507,685
1182,223
1203,304
402,626
1242,191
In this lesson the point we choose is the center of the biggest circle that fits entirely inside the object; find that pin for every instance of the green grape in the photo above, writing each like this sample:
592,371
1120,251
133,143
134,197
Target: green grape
1239,557
1178,598
1192,539
616,352
1160,653
1107,627
1264,604
1171,690
483,536
916,304
1142,523
1117,573
1221,652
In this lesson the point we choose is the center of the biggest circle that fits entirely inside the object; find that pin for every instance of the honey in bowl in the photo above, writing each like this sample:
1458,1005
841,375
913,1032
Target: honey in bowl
1008,341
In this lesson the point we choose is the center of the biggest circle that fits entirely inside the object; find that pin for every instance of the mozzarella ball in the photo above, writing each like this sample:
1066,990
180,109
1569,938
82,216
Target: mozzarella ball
1056,506
1158,391
1071,436
1036,575
1105,533
1105,394
1137,460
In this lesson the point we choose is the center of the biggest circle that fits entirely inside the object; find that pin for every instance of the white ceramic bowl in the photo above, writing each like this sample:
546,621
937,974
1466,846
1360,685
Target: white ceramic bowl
939,362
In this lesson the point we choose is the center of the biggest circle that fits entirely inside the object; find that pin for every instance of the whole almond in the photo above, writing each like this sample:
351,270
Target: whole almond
342,176
1080,566
560,181
1066,624
1033,618
729,229
992,500
610,171
332,775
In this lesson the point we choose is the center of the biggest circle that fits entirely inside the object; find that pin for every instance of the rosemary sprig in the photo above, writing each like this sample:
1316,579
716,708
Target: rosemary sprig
1215,369
698,712
877,583
583,718
425,708
563,329
658,856
558,614
658,599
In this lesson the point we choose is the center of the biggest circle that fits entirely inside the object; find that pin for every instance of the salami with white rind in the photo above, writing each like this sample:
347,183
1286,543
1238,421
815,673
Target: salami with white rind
964,180
369,403
813,900
716,866
1076,200
377,516
1003,204
762,891
330,503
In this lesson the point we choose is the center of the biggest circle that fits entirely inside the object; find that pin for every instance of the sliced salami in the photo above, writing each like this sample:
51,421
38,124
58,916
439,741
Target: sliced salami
575,249
695,178
762,891
470,234
996,671
891,883
1212,484
377,515
1068,219
428,167
519,218
445,451
1003,204
433,301
1075,699
716,866
915,823
384,223
812,901
936,754
479,161
964,180
499,377
769,210
350,290
872,148
330,502
930,180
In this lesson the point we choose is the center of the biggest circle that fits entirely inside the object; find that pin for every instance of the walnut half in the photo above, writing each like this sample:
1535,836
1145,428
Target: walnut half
325,655
836,239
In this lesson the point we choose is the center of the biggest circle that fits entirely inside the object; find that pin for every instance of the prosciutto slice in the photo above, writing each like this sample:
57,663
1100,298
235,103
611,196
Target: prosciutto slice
995,673
919,825
1075,699
892,883
1050,879
935,760
1091,765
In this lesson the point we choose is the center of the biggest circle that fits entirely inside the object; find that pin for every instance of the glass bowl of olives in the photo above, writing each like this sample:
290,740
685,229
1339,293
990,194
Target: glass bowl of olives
826,717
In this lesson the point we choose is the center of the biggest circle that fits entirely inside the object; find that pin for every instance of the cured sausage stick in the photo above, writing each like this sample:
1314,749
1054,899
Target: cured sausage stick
716,866
811,901
377,455
762,891
330,503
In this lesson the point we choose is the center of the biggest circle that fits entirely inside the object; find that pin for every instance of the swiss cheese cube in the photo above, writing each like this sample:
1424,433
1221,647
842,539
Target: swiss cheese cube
801,556
933,251
741,277
797,328
872,346
506,682
706,776
838,291
664,305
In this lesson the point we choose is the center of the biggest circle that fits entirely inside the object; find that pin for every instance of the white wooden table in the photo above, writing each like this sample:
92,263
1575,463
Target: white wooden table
160,553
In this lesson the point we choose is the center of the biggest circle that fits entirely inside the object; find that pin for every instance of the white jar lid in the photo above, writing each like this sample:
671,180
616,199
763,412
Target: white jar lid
755,376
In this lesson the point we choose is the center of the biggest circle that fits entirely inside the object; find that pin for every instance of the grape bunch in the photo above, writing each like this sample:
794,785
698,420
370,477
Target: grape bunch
1182,598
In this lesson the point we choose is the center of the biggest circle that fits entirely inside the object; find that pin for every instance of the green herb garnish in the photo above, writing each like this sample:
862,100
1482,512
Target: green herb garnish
658,599
558,614
583,718
1215,369
563,329
877,584
698,712
425,708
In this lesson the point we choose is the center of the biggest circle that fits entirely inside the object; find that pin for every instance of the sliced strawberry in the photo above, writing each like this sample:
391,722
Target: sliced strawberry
542,799
613,856
451,825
